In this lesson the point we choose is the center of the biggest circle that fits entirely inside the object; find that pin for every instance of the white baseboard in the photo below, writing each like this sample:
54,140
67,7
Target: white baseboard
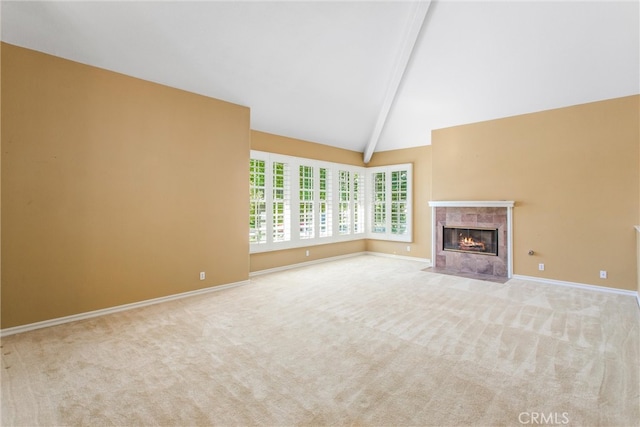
304,264
579,286
334,258
102,312
408,258
91,314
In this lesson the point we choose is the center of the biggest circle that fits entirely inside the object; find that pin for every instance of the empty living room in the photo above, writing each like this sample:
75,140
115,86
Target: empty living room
286,213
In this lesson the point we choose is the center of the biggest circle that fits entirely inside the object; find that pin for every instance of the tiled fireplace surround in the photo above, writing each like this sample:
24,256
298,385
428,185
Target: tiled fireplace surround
473,214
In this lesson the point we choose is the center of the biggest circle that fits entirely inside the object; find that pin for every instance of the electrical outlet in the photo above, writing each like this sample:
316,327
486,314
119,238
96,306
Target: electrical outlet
603,274
202,275
408,248
541,267
307,253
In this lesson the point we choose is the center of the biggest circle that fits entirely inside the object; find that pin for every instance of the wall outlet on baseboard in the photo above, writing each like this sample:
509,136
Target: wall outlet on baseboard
603,274
202,275
541,267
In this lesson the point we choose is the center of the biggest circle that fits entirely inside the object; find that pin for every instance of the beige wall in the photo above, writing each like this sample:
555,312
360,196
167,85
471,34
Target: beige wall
262,141
274,259
574,174
114,190
109,189
421,159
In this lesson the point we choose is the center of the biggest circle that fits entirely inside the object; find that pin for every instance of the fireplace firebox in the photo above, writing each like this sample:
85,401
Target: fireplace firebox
482,241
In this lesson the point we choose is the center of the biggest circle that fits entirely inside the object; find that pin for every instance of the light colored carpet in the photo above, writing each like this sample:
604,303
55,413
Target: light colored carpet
361,341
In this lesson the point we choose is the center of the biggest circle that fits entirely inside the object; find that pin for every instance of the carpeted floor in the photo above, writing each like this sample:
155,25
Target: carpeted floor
360,341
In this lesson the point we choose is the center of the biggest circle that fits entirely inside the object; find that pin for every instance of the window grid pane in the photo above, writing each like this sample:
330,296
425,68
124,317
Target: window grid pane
379,216
257,202
281,203
358,207
398,202
344,203
306,202
325,203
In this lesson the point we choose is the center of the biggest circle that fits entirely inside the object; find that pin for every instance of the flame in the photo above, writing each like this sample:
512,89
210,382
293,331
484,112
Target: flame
469,243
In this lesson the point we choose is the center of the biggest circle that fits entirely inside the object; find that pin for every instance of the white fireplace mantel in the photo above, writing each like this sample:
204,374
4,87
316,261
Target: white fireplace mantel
471,203
509,204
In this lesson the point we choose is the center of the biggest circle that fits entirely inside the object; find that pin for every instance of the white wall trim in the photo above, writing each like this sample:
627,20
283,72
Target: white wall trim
102,312
579,286
404,257
471,203
334,258
304,264
637,227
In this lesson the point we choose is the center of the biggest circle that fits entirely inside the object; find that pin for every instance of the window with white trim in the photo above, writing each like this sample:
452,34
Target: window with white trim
399,201
344,202
298,202
350,206
281,202
257,202
306,202
390,204
324,208
358,203
379,203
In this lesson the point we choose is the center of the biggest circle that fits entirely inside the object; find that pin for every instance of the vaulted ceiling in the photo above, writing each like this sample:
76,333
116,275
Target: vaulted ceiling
361,75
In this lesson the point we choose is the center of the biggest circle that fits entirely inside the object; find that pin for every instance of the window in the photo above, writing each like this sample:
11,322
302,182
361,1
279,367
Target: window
358,203
300,202
306,202
281,203
390,203
379,203
344,202
325,203
399,201
350,205
258,202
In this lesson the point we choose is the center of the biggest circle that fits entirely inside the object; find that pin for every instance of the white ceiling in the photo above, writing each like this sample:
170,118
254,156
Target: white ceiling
321,71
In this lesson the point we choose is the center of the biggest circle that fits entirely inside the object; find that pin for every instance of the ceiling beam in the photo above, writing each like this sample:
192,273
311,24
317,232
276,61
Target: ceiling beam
410,38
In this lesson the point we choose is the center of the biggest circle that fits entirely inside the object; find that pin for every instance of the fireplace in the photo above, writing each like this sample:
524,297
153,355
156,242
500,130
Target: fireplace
473,240
473,237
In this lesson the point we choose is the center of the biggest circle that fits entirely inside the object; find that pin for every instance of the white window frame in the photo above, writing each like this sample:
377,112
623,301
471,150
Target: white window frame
407,236
293,165
267,219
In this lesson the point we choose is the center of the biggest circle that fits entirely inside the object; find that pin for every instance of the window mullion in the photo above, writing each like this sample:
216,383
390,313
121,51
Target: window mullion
352,202
368,203
268,188
295,201
337,201
389,202
353,199
316,203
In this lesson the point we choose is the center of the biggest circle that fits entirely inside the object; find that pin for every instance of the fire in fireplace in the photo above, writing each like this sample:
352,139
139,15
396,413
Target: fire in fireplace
472,240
